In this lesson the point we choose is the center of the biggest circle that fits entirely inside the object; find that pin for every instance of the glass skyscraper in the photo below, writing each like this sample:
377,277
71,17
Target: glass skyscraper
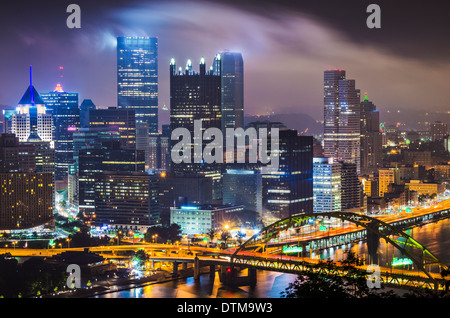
341,118
137,78
66,117
195,96
326,185
230,67
289,191
371,138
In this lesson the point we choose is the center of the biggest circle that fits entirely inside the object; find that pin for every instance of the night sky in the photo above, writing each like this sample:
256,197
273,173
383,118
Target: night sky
286,47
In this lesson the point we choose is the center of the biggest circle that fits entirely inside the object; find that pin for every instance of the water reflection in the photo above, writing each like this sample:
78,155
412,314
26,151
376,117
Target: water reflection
434,236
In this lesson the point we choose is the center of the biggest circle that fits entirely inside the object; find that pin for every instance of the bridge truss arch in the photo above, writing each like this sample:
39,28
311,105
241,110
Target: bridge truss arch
416,252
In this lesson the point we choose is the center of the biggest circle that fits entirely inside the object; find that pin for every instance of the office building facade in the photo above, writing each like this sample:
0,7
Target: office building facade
289,191
371,138
137,78
327,185
66,118
341,118
230,67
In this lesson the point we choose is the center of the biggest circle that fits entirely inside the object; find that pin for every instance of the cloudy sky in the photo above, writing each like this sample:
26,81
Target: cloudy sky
286,47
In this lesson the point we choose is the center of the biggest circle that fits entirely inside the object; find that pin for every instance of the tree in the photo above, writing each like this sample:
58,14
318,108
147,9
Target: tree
224,237
320,282
140,257
240,237
164,234
211,234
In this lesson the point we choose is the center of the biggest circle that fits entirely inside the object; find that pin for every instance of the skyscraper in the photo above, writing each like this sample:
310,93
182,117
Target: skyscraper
92,162
195,96
230,67
85,106
26,197
289,191
341,118
243,187
31,122
438,131
126,200
66,117
327,185
351,189
137,78
58,97
123,119
371,138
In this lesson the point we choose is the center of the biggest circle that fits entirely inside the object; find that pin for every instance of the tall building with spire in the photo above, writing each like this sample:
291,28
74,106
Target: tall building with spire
137,78
341,118
31,122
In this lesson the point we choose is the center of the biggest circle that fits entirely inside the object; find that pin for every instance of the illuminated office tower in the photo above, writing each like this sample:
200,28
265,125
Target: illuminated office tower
289,191
127,200
143,142
16,156
164,148
326,185
243,187
137,78
26,200
341,118
112,117
230,67
84,139
66,117
58,97
371,138
31,120
195,96
385,178
85,106
110,157
153,152
438,131
351,188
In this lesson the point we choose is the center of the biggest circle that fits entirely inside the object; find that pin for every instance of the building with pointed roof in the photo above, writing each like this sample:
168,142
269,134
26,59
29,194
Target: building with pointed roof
30,122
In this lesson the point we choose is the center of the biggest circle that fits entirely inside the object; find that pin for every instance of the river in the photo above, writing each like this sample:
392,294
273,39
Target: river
434,236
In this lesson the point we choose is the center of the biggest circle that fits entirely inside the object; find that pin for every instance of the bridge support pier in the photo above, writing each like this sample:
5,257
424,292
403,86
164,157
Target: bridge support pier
184,266
196,268
212,270
229,277
252,275
175,268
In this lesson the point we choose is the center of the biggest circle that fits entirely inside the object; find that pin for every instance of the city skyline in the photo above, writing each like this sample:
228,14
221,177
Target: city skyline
129,168
280,44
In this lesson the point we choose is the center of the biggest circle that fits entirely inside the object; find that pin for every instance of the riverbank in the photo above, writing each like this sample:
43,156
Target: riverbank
119,284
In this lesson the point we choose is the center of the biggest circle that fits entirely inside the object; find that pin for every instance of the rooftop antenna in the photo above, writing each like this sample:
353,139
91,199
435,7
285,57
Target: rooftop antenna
31,85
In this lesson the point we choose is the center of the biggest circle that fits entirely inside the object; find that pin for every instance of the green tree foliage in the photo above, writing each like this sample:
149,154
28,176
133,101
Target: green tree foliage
165,234
31,278
321,282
